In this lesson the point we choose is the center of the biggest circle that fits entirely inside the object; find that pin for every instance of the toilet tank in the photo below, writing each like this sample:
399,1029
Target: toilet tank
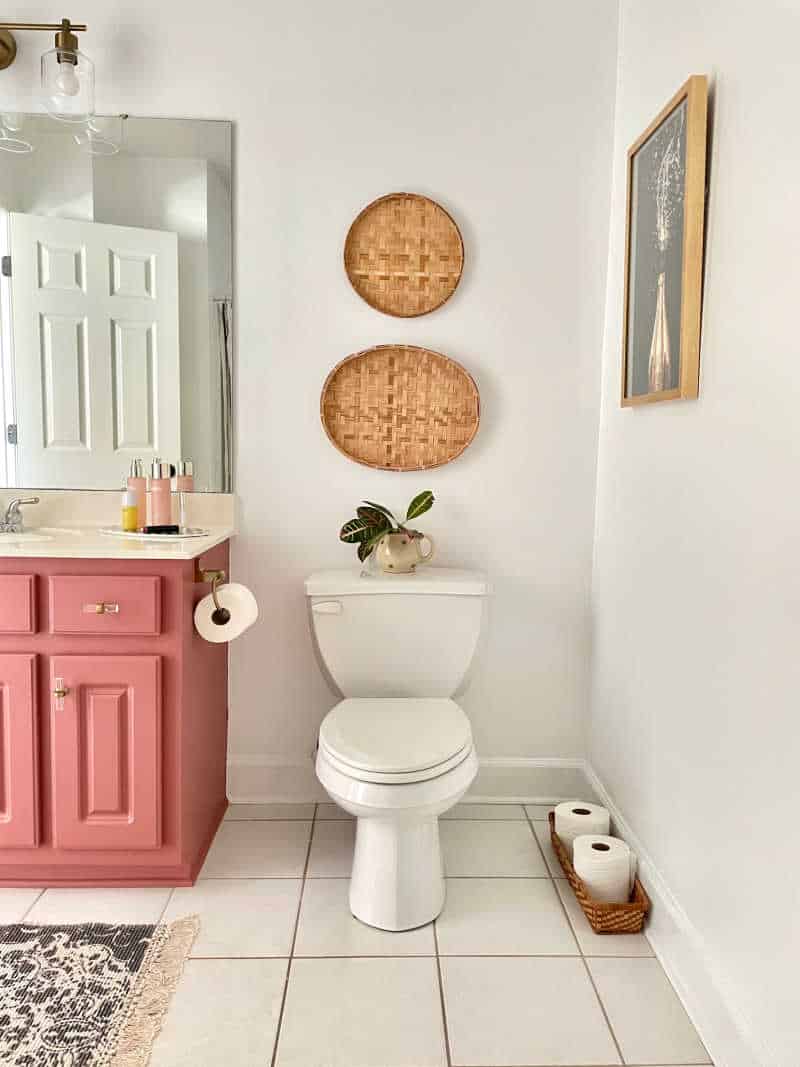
397,635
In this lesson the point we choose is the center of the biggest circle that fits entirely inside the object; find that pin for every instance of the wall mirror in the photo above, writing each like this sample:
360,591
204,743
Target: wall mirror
115,300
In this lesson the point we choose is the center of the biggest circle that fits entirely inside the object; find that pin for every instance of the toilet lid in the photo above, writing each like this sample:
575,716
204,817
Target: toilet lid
395,735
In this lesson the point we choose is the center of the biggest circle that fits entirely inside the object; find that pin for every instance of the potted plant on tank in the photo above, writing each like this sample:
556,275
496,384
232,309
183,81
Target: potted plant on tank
397,547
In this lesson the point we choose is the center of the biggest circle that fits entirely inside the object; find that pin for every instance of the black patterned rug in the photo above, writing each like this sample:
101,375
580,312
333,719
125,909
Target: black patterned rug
89,995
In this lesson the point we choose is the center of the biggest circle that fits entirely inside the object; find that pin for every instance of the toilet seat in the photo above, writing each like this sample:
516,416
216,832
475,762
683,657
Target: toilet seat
405,778
395,740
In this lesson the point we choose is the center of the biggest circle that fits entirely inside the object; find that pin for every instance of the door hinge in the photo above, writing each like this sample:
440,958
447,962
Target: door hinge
5,266
11,433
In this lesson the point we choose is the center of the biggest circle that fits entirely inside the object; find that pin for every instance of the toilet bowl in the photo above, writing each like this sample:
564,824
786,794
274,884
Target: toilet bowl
397,751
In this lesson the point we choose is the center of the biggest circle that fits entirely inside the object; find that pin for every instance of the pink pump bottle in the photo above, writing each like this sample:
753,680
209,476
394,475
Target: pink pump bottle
160,494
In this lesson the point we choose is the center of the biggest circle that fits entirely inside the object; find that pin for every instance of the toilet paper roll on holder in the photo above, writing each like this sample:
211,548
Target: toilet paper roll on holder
219,615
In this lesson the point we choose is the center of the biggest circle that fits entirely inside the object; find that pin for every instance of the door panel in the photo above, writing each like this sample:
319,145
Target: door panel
19,816
106,752
65,391
96,348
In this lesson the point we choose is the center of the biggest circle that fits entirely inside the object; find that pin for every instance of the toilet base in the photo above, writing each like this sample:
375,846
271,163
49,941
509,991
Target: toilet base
397,881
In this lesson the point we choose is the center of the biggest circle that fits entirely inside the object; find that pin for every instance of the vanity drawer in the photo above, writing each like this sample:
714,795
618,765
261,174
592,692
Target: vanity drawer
17,604
116,605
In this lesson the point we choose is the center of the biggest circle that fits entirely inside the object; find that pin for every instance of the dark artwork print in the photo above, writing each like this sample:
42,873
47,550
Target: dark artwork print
64,991
656,259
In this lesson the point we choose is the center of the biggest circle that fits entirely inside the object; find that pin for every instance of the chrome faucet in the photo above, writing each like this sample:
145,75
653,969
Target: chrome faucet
12,523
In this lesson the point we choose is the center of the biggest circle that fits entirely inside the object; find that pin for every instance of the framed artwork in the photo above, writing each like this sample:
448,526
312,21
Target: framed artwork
664,252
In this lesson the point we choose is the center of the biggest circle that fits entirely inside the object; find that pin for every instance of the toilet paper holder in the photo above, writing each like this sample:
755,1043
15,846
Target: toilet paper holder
216,577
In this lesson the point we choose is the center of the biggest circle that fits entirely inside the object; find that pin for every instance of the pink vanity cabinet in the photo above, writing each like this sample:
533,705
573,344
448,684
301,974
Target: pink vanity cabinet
113,722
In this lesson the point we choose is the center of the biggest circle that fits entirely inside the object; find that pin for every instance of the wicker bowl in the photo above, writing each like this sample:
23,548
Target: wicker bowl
404,255
400,408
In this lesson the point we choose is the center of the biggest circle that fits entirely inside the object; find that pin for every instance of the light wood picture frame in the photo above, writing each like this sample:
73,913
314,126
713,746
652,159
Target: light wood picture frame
666,181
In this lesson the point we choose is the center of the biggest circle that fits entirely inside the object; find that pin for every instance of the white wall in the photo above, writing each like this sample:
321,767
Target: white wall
505,115
69,196
696,589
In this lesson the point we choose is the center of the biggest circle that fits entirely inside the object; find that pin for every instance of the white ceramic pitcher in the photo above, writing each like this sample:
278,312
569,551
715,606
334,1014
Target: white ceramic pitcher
397,553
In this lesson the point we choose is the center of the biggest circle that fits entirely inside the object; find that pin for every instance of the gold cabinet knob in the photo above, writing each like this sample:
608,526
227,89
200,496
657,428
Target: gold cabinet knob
60,691
104,608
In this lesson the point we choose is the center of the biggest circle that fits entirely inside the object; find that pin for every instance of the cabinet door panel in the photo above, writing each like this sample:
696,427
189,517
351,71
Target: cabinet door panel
17,603
107,752
19,816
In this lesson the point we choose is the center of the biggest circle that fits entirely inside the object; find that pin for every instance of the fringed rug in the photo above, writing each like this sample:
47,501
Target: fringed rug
89,995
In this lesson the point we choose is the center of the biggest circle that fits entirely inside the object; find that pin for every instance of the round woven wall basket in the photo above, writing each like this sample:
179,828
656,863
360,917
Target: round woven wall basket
400,408
404,255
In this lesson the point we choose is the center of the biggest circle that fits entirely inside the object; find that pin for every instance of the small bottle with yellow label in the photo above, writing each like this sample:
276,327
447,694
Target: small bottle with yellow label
130,511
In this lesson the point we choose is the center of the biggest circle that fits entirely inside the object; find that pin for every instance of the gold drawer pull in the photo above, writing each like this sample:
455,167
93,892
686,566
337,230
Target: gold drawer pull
60,692
103,608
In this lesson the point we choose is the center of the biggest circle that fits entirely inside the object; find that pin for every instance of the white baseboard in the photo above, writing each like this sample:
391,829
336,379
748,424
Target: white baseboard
272,780
680,949
278,780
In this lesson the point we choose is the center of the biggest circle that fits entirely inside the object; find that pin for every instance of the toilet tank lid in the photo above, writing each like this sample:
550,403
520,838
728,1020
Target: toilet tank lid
444,581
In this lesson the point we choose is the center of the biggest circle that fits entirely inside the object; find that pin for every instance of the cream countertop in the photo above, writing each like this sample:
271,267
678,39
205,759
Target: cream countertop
86,542
66,524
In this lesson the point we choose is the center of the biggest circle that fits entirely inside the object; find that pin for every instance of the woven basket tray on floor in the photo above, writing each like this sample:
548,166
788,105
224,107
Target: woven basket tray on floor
603,918
404,255
400,408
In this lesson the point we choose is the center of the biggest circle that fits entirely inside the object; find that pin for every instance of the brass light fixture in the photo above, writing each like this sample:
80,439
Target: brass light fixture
67,73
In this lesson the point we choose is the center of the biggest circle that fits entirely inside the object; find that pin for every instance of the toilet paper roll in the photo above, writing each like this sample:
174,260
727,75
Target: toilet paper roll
606,866
239,601
578,817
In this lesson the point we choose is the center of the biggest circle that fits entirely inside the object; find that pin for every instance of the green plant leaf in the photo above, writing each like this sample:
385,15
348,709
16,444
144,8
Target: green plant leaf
356,530
383,511
374,517
421,503
366,548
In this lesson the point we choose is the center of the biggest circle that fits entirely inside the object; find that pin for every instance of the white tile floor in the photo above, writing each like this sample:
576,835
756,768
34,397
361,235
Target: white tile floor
281,975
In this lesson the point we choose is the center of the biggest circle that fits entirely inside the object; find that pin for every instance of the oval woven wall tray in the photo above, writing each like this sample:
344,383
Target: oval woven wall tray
400,408
404,255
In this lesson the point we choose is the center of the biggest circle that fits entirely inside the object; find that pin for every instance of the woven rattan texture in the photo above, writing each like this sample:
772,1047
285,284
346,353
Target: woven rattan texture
404,255
400,408
604,918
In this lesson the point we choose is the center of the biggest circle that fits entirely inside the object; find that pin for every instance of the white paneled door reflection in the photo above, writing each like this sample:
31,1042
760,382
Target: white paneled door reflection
95,349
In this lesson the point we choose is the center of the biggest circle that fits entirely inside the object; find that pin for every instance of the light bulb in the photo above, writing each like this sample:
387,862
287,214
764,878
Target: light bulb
68,87
66,81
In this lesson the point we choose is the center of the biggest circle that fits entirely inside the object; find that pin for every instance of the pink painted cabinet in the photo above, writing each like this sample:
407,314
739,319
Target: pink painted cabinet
19,816
113,722
106,732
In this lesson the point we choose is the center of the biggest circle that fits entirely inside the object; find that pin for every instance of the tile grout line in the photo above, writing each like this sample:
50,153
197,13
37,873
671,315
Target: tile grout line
167,903
447,1049
579,946
294,939
30,907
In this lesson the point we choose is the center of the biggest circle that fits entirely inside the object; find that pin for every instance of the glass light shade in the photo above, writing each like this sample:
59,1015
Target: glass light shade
102,135
68,85
12,125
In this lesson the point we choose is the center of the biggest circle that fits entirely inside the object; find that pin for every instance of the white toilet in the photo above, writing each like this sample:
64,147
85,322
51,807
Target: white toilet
396,752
